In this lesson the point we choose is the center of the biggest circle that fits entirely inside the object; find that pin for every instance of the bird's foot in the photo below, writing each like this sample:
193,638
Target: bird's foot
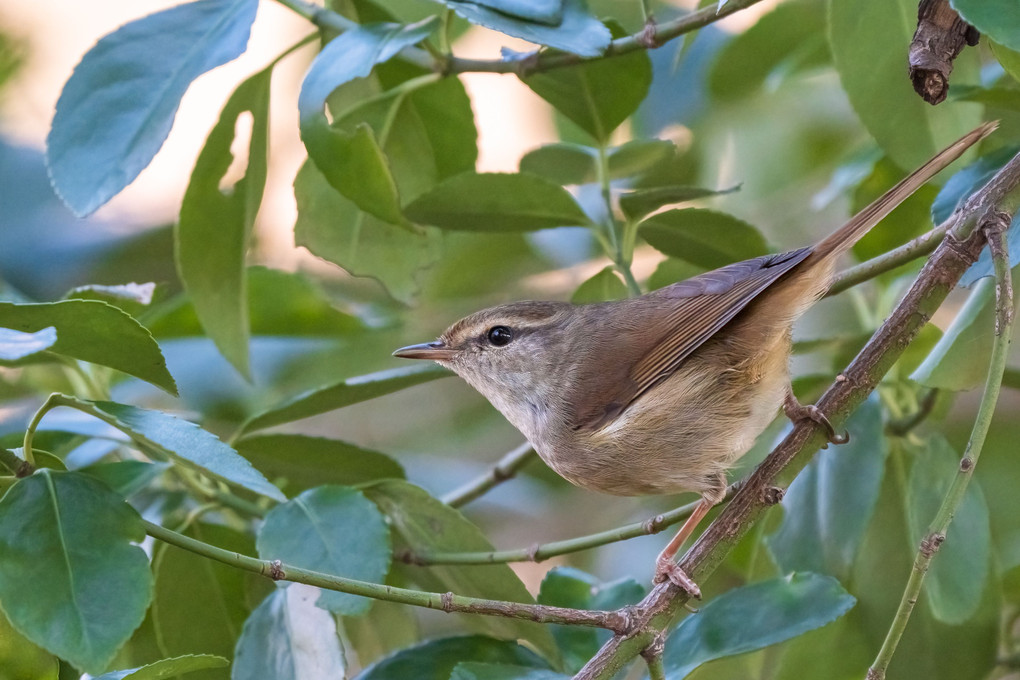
797,411
668,570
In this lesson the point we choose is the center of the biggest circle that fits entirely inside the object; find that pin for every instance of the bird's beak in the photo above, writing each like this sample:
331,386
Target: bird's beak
436,351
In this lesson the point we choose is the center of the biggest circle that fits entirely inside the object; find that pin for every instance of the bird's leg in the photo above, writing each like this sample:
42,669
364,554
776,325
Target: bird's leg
665,567
795,411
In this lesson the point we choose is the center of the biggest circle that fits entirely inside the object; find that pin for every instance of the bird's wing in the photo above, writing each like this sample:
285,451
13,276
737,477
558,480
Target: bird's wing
697,308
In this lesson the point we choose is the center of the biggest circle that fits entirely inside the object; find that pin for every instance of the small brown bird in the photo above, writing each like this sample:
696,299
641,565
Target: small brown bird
660,393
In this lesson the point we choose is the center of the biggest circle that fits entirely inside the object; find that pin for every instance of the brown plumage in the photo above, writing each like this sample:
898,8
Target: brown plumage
663,392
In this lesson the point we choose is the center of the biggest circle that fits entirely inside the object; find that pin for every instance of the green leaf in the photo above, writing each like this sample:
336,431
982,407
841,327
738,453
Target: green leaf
201,604
569,587
332,529
562,163
15,345
829,505
868,41
1008,59
306,462
96,332
606,285
212,235
333,228
473,670
548,12
598,95
789,37
755,616
958,189
426,524
168,668
119,104
19,658
182,441
670,271
58,580
638,155
958,572
578,31
637,204
133,298
436,659
497,202
126,477
352,162
291,638
702,237
959,360
344,393
998,19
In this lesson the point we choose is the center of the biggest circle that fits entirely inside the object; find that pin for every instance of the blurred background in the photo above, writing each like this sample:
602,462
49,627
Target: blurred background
788,136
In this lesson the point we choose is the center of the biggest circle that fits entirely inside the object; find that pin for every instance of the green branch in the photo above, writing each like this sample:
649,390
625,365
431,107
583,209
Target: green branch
617,621
994,225
538,553
505,469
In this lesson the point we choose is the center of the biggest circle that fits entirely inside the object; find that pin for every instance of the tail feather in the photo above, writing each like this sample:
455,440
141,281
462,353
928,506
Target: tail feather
860,224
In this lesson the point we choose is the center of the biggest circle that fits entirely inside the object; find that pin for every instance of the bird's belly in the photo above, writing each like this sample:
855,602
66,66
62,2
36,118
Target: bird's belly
680,436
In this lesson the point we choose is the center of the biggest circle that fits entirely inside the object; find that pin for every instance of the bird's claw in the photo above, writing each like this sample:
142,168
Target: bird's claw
796,411
668,570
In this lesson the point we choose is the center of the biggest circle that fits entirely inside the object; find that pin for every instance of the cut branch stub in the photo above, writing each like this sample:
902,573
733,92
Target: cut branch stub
940,36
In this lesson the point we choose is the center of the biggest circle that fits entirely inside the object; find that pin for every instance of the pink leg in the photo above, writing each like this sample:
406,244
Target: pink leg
665,567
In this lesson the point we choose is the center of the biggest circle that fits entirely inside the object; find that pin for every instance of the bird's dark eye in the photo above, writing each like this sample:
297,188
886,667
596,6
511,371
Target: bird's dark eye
499,336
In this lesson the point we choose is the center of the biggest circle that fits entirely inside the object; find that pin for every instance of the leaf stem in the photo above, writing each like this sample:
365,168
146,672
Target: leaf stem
52,401
617,621
618,252
994,225
538,553
503,470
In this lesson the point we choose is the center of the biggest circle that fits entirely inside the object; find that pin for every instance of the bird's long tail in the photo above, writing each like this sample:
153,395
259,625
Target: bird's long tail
860,224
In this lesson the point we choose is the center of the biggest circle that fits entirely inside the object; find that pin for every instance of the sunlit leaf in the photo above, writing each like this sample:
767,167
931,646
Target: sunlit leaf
214,229
119,104
15,345
81,548
168,668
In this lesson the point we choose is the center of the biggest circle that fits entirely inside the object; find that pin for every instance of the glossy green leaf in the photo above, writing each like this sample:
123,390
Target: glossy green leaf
183,442
288,638
569,587
639,155
200,604
829,505
303,462
578,31
637,204
214,229
332,529
119,104
133,298
956,191
436,659
344,393
790,37
959,360
597,95
868,41
497,202
333,228
353,162
80,546
15,345
562,163
168,668
998,19
606,285
95,332
424,523
702,237
755,616
474,670
959,570
126,477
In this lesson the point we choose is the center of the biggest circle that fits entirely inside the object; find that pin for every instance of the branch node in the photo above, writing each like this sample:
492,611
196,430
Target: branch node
931,543
648,37
966,464
655,647
446,600
940,36
654,525
772,495
532,553
276,571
